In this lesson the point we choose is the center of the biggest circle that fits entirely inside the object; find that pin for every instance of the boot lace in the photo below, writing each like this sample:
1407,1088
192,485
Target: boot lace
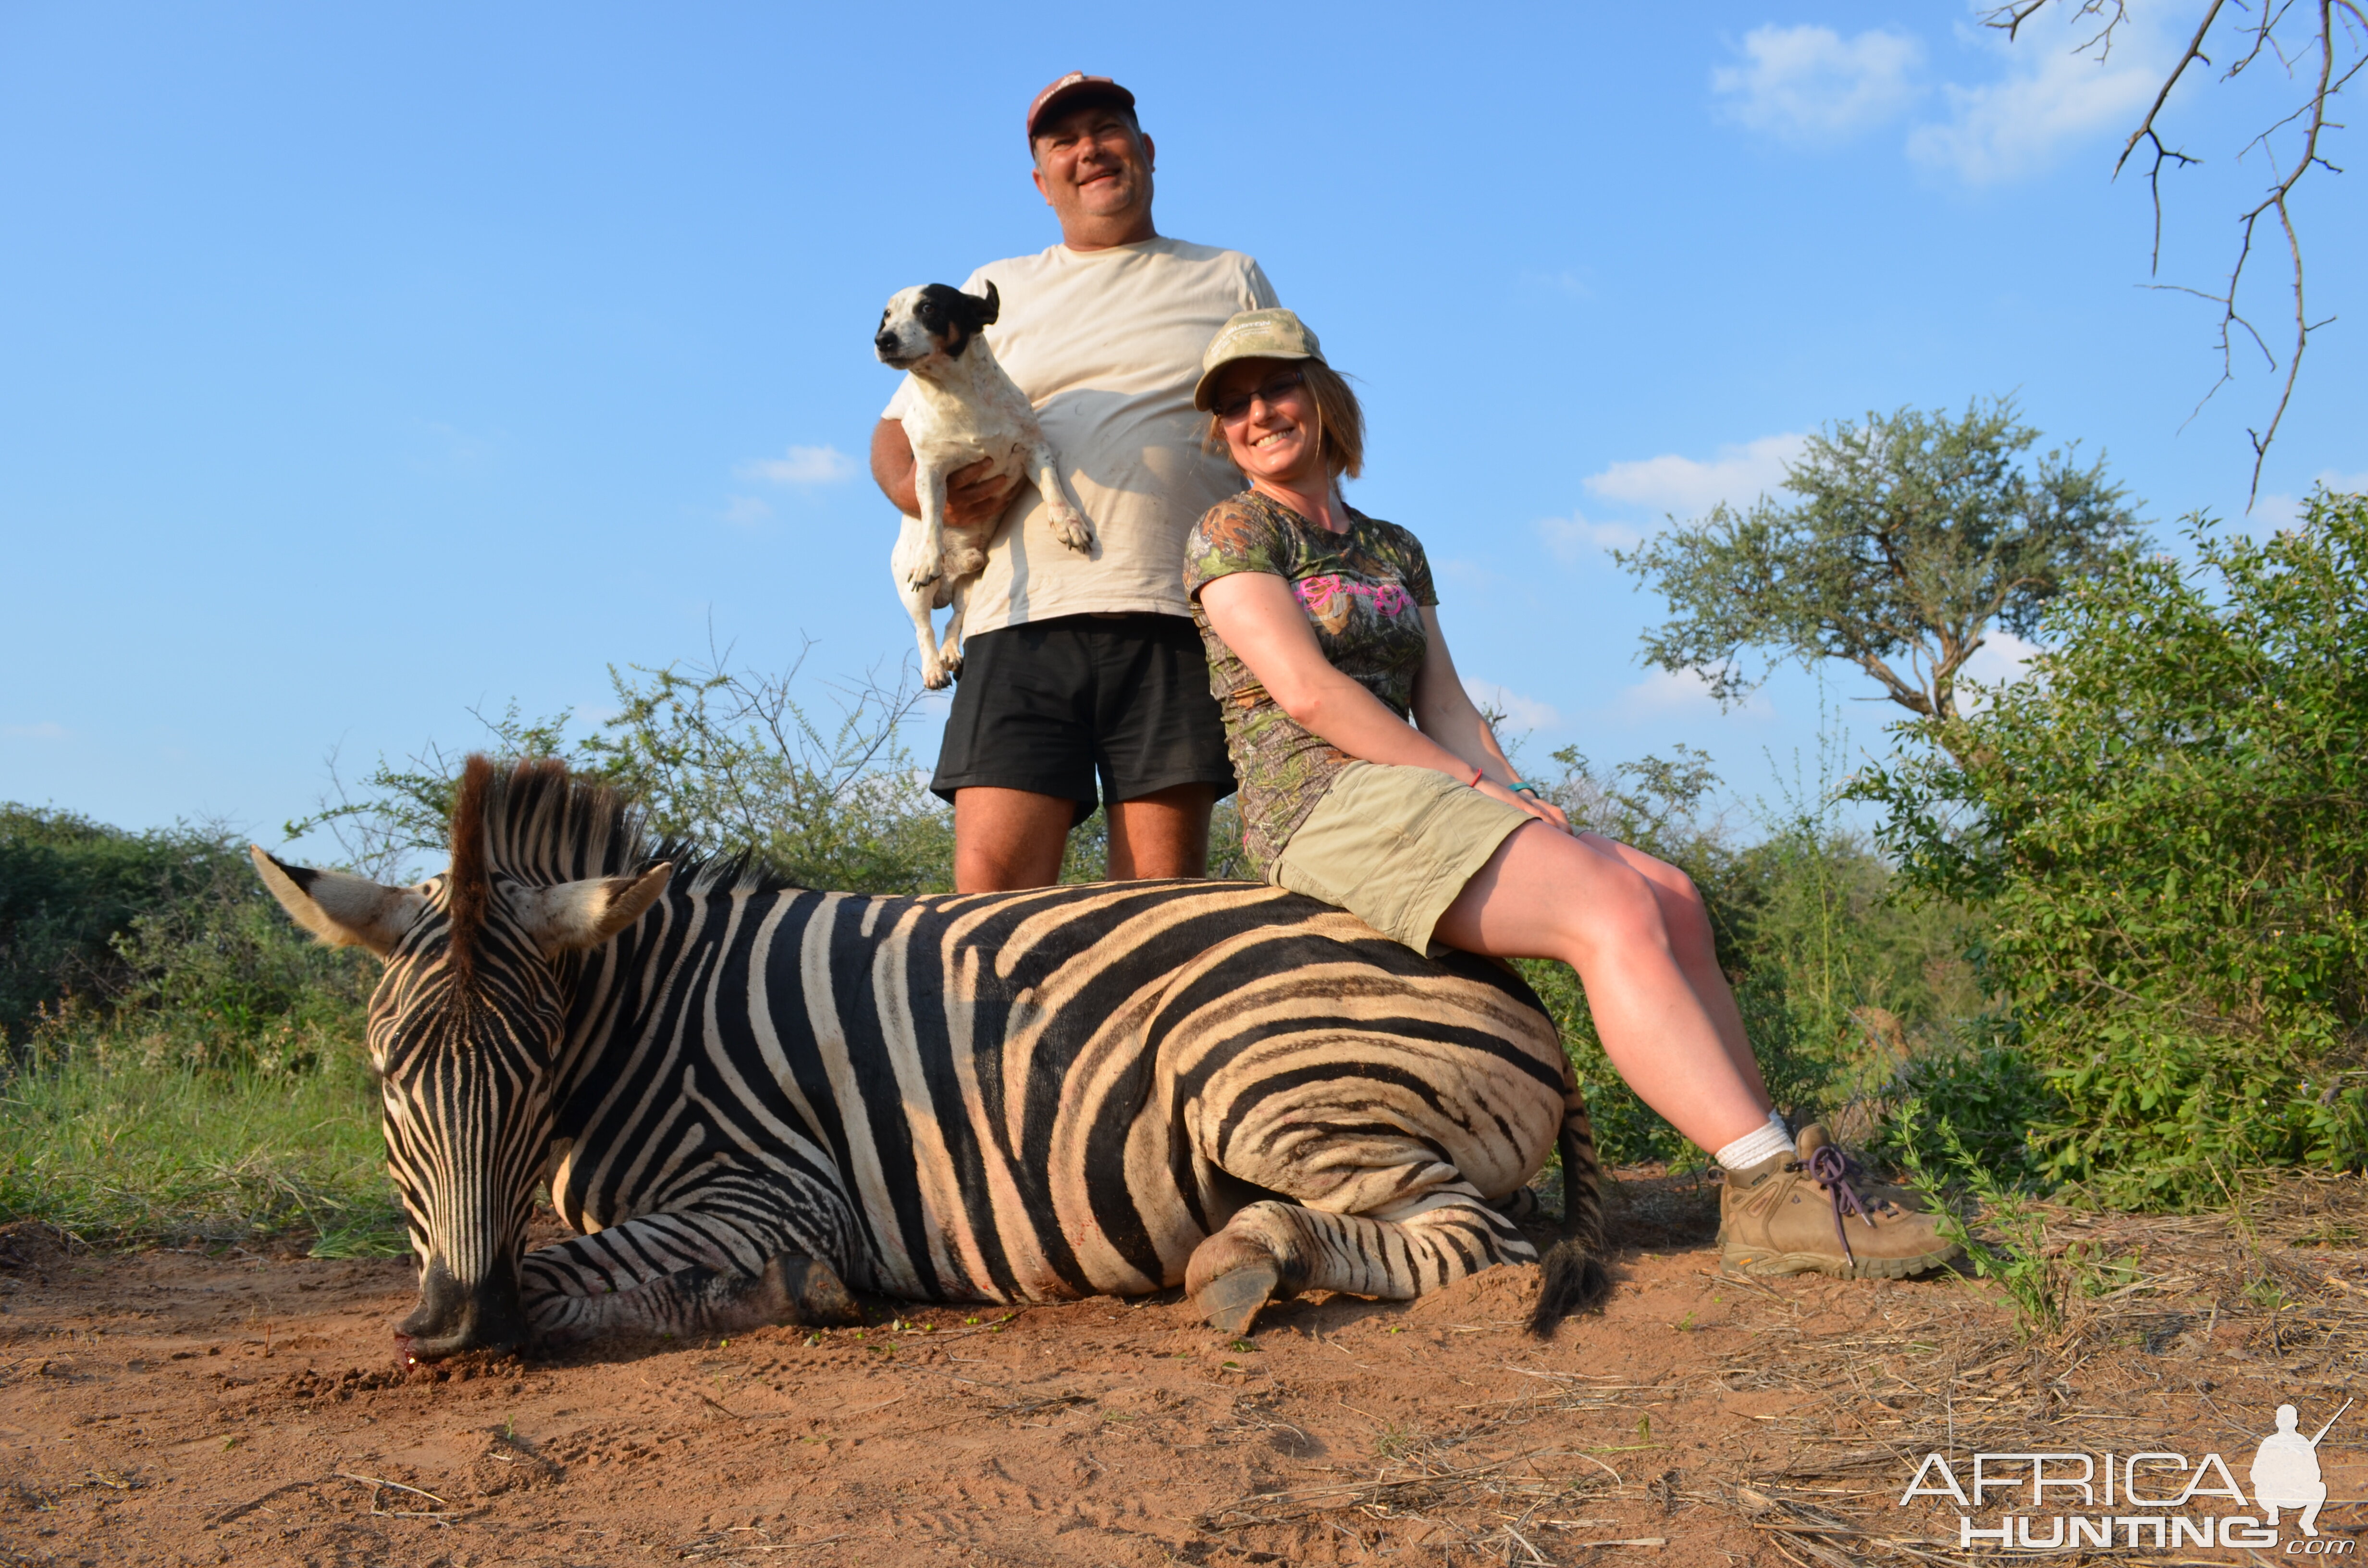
1833,1169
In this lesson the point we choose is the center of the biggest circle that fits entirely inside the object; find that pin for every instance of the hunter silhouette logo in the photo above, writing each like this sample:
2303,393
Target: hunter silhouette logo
2285,1470
2152,1497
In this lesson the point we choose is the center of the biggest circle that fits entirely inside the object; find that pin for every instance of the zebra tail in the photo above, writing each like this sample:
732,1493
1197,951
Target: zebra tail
1573,1278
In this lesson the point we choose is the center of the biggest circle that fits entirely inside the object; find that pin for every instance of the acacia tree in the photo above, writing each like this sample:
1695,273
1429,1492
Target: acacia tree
1911,536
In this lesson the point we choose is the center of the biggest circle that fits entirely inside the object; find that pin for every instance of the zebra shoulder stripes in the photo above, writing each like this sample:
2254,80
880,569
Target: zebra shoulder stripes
749,1097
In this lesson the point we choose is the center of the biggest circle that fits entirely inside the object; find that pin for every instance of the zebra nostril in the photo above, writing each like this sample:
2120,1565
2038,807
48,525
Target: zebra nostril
453,1317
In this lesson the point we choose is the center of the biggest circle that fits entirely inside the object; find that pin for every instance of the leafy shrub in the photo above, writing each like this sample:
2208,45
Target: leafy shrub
68,888
2168,820
1839,987
722,758
172,926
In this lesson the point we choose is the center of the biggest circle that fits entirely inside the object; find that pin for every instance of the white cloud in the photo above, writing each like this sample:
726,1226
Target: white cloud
1809,83
1663,692
2053,92
1521,713
2002,656
748,511
2273,510
1738,476
47,730
1577,537
1666,694
1564,282
802,466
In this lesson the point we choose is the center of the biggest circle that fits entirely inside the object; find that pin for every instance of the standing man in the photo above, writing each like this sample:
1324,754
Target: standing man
1085,669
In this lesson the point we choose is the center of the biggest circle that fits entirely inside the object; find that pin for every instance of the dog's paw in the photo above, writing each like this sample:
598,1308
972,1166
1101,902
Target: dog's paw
926,566
937,675
950,658
1071,529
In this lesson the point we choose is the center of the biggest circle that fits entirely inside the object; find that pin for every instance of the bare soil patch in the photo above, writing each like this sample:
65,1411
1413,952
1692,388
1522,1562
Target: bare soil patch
182,1408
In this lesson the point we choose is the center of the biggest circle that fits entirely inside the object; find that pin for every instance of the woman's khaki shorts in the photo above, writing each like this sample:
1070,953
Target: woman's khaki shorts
1393,845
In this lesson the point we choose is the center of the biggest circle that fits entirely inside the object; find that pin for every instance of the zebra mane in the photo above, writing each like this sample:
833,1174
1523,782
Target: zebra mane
538,823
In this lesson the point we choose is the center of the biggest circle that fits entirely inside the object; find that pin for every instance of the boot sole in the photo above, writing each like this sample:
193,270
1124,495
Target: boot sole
1742,1260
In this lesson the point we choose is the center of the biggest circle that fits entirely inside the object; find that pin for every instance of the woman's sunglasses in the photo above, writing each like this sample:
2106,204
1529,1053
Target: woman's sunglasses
1233,409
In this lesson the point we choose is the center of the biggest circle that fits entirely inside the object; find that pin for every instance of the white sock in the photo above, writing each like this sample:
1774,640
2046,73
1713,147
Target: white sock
1759,1143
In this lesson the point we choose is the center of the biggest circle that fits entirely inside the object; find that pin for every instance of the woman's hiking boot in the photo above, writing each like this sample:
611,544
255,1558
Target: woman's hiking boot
1816,1210
1814,1137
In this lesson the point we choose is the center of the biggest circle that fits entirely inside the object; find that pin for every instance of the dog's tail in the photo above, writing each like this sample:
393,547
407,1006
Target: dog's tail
1573,1278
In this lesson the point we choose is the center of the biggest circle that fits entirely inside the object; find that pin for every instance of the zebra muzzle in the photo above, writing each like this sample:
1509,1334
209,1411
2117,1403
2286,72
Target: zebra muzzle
454,1317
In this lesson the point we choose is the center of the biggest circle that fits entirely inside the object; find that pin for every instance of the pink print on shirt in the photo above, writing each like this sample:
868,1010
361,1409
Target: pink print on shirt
1388,599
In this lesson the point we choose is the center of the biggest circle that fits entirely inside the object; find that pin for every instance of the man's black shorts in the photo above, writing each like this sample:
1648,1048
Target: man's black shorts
1055,706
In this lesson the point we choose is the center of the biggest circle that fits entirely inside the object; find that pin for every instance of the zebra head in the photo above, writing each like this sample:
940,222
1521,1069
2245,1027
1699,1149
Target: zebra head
465,1029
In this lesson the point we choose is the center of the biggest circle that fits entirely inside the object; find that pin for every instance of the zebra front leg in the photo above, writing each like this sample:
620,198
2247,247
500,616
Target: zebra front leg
1269,1250
695,1302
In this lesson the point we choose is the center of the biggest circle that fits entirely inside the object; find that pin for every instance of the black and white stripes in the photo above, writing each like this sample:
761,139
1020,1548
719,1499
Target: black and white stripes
753,1093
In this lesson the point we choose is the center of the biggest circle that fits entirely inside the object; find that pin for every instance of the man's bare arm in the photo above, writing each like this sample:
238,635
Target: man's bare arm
973,494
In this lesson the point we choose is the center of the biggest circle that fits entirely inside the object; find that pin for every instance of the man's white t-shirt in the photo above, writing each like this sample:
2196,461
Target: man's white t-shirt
1106,344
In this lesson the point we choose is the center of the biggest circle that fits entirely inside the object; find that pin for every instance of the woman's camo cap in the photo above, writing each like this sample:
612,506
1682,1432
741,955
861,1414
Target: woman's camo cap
1271,333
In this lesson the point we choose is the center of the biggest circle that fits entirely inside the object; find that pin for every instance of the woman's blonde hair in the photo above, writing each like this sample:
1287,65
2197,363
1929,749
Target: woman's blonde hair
1339,419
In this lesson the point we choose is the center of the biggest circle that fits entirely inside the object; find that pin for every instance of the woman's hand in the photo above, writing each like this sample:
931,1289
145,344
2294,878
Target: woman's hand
1545,811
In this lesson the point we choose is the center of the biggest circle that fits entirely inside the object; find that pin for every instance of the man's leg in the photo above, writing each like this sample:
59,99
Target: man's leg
1018,761
1163,834
1009,839
1160,745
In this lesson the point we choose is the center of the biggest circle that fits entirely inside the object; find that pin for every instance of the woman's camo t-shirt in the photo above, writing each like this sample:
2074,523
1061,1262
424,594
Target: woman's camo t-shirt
1364,591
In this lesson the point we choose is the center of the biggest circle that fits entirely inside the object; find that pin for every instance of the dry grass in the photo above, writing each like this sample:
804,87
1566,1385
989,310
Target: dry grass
2158,1313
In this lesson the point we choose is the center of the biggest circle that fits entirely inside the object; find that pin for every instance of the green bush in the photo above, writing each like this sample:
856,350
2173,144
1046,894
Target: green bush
2166,822
1839,987
171,929
69,887
722,759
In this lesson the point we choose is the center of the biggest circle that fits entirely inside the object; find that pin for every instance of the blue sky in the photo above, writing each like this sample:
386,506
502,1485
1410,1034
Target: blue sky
362,365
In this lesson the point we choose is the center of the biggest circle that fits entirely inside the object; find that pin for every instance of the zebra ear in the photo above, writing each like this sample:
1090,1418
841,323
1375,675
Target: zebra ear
575,916
342,911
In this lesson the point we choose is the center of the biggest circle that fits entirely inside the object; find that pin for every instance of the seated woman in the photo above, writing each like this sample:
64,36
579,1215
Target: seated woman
1324,642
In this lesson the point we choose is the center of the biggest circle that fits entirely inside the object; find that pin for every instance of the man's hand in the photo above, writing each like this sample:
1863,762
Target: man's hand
974,493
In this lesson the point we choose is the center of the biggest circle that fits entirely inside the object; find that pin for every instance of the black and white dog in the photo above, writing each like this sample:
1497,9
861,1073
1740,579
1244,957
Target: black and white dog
962,407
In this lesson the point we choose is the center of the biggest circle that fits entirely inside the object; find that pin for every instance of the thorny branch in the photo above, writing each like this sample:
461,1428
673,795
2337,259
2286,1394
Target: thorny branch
2327,80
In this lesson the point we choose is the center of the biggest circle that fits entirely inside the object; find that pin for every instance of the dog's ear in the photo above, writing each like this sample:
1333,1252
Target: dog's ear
985,311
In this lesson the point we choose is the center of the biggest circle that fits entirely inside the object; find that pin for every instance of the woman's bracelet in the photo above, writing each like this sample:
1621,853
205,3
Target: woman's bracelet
1523,787
1476,773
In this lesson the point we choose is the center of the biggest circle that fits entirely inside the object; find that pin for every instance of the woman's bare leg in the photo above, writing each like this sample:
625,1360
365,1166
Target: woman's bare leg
1696,946
1545,894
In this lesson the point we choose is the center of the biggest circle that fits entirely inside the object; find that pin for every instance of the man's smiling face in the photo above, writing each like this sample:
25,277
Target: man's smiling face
1094,167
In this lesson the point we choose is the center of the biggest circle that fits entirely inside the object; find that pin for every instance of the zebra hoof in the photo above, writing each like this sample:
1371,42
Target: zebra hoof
1231,1301
810,1293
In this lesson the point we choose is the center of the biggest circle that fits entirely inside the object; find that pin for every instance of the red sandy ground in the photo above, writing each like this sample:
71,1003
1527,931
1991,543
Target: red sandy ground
174,1407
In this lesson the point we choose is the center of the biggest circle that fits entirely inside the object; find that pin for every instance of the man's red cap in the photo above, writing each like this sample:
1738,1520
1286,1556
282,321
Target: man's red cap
1069,89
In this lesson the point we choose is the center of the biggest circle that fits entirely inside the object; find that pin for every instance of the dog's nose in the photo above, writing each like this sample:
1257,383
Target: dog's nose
884,341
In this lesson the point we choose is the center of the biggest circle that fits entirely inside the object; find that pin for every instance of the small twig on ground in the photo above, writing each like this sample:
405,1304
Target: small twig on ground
375,1482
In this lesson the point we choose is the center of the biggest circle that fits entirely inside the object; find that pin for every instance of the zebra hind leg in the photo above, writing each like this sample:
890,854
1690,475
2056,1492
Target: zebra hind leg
696,1300
1270,1250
